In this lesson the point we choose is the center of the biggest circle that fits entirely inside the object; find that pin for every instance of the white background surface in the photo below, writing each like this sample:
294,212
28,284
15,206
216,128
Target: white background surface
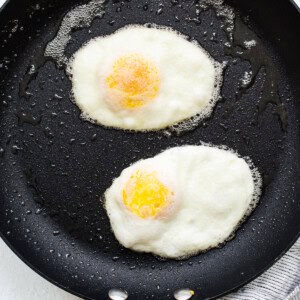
19,282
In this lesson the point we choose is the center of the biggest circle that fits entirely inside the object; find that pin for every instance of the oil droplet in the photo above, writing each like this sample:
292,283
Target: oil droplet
24,117
15,149
38,211
48,133
159,11
56,96
112,22
94,137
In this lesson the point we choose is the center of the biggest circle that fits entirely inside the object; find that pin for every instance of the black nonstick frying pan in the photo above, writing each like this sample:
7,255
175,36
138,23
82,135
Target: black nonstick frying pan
54,166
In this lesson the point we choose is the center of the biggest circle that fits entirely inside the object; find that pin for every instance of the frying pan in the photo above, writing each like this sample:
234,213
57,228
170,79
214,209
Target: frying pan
55,166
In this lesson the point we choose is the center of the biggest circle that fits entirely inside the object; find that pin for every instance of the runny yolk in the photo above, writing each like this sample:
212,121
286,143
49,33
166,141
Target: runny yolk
145,195
133,81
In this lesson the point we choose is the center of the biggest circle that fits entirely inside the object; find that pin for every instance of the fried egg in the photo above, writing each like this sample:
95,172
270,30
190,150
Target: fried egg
142,78
183,201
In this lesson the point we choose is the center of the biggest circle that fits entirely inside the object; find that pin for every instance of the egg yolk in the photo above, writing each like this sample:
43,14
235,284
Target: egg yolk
133,81
145,195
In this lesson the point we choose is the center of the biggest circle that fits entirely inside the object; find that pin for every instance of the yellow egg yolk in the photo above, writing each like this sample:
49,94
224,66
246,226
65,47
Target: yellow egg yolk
133,81
145,195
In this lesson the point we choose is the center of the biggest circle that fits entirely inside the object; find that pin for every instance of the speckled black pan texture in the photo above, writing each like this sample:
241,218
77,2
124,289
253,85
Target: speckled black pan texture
54,166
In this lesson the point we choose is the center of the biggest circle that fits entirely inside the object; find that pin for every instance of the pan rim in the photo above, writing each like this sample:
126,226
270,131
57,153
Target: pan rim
294,2
69,290
46,277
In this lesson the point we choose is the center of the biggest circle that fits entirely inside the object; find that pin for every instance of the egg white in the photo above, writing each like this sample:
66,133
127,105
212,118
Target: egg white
214,190
189,78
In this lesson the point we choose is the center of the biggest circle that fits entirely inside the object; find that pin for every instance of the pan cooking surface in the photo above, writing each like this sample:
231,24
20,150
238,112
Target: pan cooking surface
54,166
